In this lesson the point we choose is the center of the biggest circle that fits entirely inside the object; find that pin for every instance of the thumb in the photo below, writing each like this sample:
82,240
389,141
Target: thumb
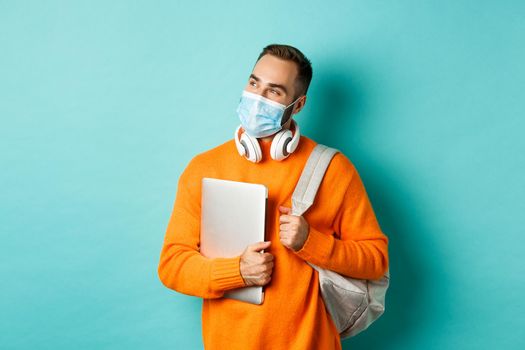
259,246
285,210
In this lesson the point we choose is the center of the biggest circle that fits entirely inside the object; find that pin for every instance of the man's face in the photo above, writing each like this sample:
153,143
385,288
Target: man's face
273,78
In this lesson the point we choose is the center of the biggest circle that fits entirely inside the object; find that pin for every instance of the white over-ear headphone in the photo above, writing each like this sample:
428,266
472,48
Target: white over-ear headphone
284,143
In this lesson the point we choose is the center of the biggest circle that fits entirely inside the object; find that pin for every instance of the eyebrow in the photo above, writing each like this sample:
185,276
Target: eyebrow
270,84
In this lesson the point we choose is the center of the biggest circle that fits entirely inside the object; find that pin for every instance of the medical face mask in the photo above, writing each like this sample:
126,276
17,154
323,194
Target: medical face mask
260,116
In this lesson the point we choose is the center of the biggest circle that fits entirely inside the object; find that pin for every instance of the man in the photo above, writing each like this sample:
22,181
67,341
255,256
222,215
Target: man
339,232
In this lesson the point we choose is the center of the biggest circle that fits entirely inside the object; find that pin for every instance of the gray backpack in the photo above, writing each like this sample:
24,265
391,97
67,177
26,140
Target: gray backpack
352,303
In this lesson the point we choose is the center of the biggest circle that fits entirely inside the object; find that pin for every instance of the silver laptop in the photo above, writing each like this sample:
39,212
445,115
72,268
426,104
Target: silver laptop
233,217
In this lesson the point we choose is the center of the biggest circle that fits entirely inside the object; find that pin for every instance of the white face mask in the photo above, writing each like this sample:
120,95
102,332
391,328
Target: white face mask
260,116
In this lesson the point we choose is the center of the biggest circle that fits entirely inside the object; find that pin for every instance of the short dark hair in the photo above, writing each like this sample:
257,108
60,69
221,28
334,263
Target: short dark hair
290,53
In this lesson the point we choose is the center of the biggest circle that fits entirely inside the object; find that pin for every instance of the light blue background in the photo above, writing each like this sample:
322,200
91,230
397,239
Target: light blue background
102,104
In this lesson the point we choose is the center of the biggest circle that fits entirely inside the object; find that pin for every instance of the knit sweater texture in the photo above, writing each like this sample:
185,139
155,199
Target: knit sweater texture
344,236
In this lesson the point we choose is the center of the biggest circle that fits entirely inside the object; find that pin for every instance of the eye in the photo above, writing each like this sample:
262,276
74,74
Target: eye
275,92
253,83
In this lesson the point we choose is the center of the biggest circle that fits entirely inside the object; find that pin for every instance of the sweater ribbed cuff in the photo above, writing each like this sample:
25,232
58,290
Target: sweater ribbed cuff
317,247
226,273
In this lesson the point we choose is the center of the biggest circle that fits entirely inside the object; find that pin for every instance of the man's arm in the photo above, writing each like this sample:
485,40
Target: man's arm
182,267
362,250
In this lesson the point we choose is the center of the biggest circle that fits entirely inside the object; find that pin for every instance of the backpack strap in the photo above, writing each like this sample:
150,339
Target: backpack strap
311,177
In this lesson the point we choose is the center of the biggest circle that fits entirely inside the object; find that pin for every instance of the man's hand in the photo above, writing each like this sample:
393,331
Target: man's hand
256,267
293,230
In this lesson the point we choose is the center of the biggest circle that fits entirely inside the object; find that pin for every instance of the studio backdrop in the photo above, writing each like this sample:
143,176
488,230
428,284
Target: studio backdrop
104,103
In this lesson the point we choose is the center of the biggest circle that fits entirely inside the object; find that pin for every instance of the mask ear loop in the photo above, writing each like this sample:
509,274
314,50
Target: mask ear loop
297,99
283,121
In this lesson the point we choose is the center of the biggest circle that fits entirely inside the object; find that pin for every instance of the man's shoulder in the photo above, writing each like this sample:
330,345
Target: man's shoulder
212,157
340,164
343,163
215,153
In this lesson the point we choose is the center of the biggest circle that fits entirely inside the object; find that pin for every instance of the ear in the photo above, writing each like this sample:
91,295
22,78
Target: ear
300,104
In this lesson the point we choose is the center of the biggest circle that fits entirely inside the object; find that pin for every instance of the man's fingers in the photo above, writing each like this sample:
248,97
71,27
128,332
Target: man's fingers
259,246
285,242
267,257
284,227
285,210
285,218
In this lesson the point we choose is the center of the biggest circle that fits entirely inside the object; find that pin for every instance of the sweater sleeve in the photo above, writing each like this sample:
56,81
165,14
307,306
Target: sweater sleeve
359,249
182,267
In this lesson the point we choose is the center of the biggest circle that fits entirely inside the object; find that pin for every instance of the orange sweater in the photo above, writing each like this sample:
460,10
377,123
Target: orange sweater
344,237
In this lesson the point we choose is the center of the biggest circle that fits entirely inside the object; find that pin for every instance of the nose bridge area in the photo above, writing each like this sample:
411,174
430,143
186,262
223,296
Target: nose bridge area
262,89
265,93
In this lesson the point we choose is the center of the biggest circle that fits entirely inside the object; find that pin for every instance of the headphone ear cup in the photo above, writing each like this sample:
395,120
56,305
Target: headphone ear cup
278,150
252,148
